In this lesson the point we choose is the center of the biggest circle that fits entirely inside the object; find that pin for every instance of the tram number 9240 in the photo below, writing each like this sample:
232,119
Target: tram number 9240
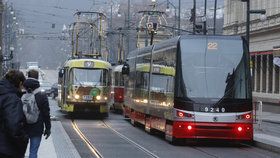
207,109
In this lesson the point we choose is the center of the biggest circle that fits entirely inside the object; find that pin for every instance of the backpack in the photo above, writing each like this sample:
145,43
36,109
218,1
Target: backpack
30,108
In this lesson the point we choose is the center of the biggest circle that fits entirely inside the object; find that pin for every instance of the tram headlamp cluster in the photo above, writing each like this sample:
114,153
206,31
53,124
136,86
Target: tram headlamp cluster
182,114
76,97
247,116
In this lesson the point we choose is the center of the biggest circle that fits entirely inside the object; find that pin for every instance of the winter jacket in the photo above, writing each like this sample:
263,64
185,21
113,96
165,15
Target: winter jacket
37,129
13,138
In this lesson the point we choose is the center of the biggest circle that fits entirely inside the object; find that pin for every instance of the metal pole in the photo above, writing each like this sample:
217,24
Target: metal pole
111,35
248,26
204,23
152,37
111,15
215,17
1,50
194,16
179,18
128,28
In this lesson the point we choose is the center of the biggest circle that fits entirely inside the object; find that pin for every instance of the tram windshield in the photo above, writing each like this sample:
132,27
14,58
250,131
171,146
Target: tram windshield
215,69
90,77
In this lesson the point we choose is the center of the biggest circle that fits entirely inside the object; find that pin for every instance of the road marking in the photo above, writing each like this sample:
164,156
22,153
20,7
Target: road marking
84,138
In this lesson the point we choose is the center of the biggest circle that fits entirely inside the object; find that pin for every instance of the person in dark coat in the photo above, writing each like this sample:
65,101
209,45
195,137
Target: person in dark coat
43,125
13,137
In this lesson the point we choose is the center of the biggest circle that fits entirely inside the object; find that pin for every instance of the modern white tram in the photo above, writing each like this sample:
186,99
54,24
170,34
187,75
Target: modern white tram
208,97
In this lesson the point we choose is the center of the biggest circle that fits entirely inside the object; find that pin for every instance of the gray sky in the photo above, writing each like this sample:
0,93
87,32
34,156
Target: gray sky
36,17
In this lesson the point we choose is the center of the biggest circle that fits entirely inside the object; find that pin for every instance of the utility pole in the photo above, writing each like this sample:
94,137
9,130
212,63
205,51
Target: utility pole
194,16
179,18
1,47
128,28
110,33
248,26
215,16
205,20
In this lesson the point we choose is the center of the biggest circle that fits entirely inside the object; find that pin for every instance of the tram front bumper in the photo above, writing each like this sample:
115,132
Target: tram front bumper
200,130
87,107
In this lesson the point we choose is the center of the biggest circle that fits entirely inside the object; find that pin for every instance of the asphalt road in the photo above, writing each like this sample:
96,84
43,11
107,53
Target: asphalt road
115,137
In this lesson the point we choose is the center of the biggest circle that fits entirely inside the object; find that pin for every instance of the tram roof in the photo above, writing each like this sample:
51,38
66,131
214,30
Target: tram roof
87,63
172,42
229,37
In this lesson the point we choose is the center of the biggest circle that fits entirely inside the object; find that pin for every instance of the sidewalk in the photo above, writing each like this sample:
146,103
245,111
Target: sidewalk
58,145
265,137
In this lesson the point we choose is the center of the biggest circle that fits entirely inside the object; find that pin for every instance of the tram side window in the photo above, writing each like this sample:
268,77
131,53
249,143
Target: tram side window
119,79
142,80
105,78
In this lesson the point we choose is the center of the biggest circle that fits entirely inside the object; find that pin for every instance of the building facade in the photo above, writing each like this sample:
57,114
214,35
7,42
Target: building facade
264,38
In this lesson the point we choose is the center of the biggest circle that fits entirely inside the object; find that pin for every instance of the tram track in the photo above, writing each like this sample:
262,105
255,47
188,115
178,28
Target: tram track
93,150
97,153
93,147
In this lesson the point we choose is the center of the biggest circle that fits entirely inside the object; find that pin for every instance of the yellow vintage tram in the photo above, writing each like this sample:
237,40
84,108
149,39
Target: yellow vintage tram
85,86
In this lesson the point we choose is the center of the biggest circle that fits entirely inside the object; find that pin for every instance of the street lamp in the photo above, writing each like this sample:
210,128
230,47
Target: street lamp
261,11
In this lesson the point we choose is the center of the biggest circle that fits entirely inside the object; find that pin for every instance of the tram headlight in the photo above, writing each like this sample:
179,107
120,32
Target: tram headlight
145,101
98,97
105,98
68,97
76,96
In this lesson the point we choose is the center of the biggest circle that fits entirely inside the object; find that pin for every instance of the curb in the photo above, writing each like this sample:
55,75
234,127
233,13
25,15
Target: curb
267,146
267,142
271,121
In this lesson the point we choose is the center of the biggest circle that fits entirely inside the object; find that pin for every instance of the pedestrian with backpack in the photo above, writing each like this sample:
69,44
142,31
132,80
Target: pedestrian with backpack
13,137
37,112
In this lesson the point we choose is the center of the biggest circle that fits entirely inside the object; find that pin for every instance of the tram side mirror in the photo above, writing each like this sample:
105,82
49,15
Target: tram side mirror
60,76
60,73
125,69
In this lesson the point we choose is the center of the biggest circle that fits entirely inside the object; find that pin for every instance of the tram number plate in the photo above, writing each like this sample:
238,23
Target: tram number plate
207,109
87,97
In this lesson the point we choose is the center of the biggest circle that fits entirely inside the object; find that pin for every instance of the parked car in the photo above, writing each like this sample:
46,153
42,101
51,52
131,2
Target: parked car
54,90
46,87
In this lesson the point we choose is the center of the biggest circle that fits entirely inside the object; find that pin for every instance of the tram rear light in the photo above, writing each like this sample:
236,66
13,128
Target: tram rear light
247,116
184,114
189,127
180,114
239,129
